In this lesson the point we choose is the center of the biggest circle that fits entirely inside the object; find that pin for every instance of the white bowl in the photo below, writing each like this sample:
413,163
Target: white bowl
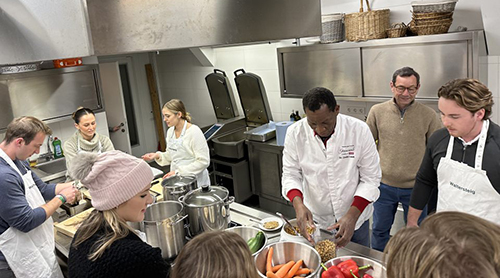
265,220
284,236
283,252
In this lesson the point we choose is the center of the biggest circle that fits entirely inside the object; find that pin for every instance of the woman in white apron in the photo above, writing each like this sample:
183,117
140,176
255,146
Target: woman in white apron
85,138
187,150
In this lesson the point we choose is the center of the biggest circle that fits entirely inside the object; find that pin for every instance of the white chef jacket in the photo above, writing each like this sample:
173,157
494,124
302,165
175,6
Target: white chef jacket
329,177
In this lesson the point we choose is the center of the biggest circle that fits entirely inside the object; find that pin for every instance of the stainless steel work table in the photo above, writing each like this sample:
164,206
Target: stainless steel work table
242,214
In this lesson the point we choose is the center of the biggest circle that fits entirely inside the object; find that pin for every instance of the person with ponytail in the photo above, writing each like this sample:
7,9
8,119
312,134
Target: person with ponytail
105,245
187,150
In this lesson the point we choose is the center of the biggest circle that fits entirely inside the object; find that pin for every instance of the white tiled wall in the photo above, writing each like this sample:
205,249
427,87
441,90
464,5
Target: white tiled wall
493,63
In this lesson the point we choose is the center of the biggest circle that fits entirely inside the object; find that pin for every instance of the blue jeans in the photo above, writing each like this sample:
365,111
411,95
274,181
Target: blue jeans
384,211
362,235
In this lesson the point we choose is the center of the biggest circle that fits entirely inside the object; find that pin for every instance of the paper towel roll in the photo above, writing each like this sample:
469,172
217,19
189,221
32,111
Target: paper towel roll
281,128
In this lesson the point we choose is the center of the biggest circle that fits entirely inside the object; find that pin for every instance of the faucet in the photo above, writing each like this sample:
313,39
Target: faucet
48,155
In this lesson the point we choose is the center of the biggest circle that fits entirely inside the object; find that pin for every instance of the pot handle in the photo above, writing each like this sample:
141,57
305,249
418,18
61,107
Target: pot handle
179,220
181,199
230,200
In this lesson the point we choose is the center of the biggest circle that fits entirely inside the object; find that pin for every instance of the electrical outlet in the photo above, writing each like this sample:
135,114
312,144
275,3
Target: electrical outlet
356,110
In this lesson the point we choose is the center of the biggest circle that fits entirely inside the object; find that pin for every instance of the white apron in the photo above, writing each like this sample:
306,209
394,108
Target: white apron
466,189
181,156
30,254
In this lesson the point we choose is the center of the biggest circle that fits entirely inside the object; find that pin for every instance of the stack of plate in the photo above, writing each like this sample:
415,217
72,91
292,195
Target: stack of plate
432,17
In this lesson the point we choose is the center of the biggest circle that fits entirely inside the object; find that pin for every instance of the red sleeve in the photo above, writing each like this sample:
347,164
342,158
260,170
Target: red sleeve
358,202
294,193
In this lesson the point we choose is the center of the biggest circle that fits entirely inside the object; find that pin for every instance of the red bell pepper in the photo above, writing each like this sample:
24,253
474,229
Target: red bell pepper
350,269
332,272
367,276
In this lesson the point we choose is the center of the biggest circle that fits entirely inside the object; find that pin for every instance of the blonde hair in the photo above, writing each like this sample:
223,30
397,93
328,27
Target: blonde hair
469,94
176,106
26,127
215,254
448,244
115,228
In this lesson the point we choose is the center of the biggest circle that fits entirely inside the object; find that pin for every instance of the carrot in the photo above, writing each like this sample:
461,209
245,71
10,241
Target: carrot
277,267
269,262
294,269
270,274
303,271
284,270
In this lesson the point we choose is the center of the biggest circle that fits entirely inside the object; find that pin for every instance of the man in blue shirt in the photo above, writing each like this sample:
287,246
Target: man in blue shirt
26,229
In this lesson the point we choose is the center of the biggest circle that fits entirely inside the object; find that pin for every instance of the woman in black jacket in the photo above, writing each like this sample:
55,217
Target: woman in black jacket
105,246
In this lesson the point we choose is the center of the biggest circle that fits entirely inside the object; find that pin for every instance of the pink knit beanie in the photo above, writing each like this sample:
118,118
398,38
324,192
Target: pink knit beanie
112,177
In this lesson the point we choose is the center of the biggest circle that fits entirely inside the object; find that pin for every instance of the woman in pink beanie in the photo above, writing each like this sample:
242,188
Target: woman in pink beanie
105,246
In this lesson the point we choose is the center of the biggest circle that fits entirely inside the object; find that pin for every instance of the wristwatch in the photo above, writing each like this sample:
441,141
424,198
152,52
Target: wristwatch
61,197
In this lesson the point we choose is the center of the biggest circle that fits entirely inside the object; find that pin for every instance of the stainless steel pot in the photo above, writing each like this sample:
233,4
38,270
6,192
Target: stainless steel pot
207,209
164,227
177,186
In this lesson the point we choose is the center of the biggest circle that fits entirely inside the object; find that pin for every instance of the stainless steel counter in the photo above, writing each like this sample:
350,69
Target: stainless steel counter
242,214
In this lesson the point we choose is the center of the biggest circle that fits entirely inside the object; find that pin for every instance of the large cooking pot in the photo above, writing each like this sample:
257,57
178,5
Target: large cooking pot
177,186
207,209
164,227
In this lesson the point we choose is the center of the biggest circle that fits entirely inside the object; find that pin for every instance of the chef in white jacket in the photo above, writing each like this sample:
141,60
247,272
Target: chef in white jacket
331,169
187,150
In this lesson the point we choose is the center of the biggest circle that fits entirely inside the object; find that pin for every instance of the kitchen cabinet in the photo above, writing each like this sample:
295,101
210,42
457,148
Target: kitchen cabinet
362,71
233,175
266,171
49,94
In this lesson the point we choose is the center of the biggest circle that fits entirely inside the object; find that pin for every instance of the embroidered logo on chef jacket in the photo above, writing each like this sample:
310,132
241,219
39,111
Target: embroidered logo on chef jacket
346,152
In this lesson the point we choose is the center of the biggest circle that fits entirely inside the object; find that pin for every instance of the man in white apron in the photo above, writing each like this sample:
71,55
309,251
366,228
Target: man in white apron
26,229
462,160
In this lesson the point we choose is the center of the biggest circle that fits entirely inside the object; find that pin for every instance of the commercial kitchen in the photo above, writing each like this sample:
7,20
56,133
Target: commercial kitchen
240,67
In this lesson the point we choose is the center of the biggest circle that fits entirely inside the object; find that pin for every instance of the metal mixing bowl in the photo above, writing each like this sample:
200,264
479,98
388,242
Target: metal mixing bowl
377,270
286,251
247,233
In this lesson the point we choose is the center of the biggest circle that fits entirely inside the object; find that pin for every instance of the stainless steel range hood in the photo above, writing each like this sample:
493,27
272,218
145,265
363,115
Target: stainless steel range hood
123,26
38,30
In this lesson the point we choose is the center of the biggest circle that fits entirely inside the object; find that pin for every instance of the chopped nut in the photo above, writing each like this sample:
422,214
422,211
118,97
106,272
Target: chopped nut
326,249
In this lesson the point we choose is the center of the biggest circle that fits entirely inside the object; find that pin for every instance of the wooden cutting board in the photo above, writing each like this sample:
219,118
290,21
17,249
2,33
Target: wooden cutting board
70,225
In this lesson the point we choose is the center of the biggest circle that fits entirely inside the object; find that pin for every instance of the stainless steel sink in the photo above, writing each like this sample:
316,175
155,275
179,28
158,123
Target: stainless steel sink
51,170
52,166
231,145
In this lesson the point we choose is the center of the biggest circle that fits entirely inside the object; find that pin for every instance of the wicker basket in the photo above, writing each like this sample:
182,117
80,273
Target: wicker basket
332,28
368,25
437,7
432,29
397,30
432,15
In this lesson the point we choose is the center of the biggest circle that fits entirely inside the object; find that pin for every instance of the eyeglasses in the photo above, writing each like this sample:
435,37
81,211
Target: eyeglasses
411,90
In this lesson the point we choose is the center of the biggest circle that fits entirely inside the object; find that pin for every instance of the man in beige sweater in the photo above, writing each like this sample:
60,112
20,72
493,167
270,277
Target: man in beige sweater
401,127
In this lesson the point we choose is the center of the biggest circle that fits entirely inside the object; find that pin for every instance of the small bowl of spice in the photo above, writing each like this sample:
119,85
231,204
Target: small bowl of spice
270,224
